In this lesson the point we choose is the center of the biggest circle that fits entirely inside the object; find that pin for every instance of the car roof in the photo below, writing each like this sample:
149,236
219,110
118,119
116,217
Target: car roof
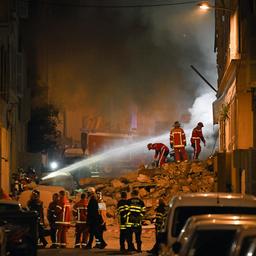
214,199
10,202
217,221
226,217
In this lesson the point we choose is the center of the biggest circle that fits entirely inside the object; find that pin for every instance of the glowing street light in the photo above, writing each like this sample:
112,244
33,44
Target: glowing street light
206,6
53,165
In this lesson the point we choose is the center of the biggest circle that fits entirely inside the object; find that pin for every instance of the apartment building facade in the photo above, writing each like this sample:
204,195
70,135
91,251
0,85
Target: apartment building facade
14,93
235,107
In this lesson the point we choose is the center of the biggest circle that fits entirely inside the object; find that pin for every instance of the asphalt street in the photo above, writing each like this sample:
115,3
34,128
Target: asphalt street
82,252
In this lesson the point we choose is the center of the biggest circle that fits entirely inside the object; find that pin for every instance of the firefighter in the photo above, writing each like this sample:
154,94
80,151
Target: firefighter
160,218
52,217
80,214
100,243
94,220
122,210
161,152
35,204
178,142
196,138
136,212
63,219
3,195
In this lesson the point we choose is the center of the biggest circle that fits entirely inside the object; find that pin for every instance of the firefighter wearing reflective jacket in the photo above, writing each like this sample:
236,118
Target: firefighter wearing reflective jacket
80,214
122,210
51,216
136,211
196,138
160,219
178,142
161,152
63,219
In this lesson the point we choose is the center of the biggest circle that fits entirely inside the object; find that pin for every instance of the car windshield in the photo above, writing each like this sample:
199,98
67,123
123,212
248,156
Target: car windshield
211,242
9,207
248,246
181,214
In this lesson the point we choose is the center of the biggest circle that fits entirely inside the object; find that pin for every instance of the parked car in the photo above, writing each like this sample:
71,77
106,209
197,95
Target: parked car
20,228
212,235
184,206
245,243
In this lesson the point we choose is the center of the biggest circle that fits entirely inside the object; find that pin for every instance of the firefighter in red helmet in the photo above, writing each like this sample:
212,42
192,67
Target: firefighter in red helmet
63,219
178,142
196,138
161,152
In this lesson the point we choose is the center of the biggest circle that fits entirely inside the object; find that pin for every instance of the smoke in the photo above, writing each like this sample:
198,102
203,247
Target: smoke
201,111
104,60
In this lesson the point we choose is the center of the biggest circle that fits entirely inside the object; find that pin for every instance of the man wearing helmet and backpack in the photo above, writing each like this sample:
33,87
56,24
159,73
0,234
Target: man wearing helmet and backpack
196,138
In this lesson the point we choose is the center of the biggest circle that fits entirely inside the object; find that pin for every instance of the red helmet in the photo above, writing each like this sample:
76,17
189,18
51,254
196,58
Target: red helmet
149,146
200,124
177,124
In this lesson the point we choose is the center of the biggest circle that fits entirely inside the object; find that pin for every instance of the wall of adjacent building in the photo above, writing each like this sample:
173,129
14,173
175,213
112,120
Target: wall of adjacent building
14,93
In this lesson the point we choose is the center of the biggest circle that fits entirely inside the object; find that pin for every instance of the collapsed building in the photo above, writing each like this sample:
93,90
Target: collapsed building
155,183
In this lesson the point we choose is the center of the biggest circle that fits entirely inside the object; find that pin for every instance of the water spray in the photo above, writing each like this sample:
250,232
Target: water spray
109,154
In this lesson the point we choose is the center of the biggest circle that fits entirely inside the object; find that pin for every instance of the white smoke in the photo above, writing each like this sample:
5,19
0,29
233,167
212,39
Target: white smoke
202,111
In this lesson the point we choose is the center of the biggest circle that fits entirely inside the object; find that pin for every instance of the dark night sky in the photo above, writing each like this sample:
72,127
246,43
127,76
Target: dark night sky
131,55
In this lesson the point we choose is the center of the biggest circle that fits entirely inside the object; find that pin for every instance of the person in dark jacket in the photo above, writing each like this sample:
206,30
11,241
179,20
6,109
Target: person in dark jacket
136,212
160,218
52,217
35,204
94,221
122,210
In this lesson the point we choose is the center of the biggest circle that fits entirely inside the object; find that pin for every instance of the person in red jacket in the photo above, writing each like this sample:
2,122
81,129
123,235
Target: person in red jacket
161,152
196,138
63,219
178,142
80,215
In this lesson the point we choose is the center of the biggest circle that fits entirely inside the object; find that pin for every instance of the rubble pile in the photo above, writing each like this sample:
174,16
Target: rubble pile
156,183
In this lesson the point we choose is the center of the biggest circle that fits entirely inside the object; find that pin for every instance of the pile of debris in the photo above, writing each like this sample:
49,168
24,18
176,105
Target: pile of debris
156,183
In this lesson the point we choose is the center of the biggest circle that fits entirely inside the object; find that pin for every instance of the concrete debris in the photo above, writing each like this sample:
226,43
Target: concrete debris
157,183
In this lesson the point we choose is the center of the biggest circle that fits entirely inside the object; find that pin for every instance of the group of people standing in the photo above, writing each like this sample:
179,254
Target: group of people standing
89,214
178,144
130,214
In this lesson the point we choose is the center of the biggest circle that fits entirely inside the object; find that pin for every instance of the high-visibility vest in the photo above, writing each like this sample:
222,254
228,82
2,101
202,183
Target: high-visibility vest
136,211
177,138
80,211
122,210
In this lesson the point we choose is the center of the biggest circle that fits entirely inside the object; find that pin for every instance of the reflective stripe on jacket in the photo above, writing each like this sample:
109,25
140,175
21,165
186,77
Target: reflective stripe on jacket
136,211
122,210
177,137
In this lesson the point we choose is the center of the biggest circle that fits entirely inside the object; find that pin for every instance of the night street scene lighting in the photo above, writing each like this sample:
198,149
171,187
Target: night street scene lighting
207,6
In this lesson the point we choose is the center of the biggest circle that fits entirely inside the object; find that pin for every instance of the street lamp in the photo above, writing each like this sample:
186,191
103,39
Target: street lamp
206,6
